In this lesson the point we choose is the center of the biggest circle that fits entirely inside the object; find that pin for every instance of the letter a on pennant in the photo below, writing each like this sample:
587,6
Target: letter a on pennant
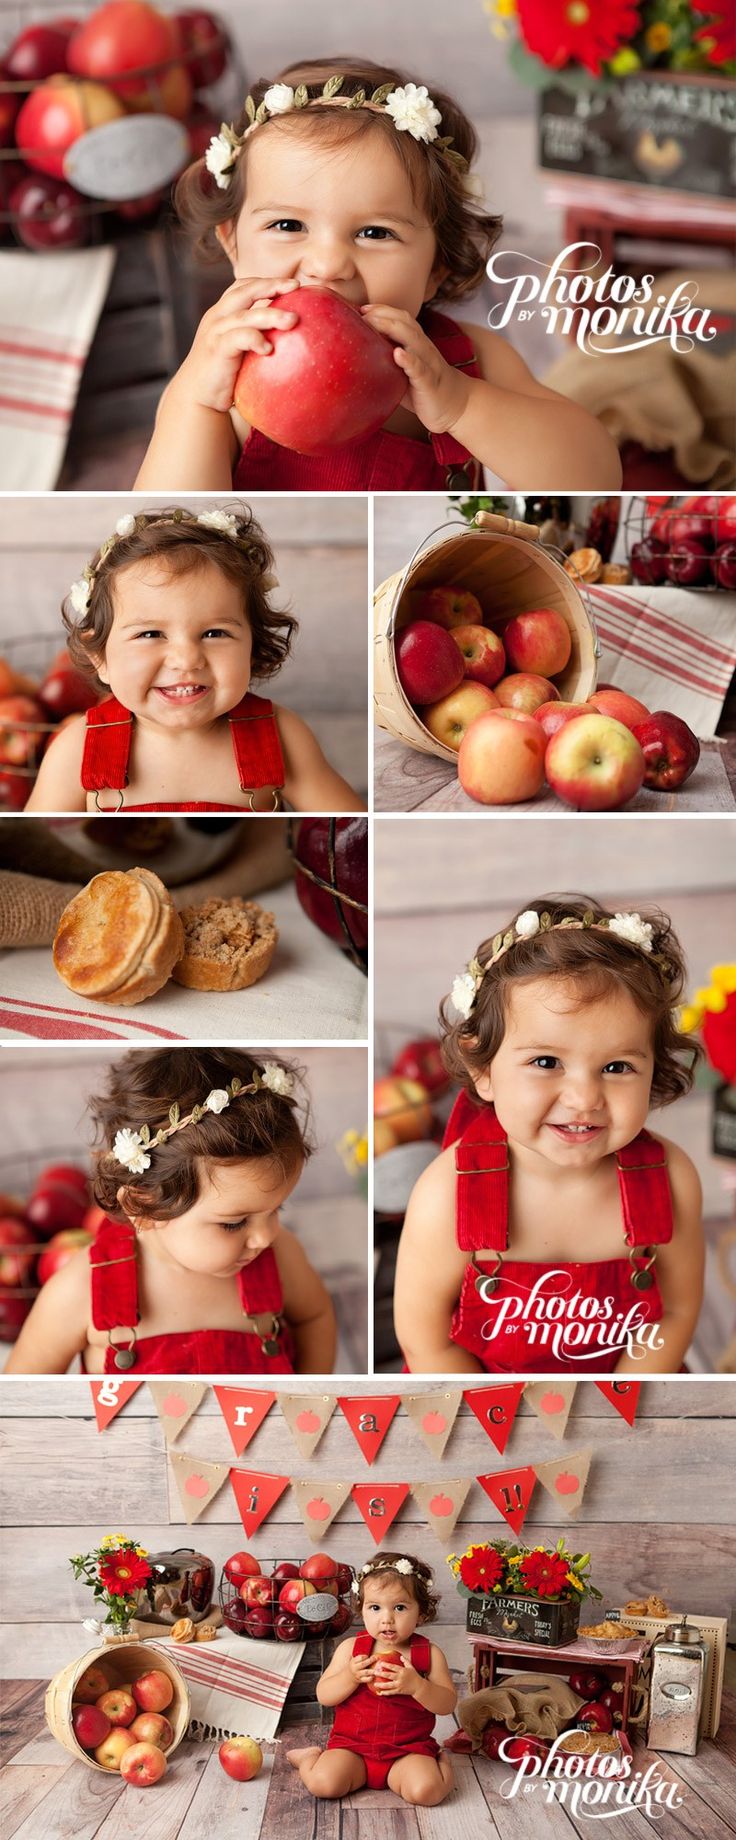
379,1505
511,1492
369,1420
495,1408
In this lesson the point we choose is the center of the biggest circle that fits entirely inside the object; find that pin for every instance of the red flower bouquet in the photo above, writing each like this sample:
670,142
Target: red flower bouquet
124,1571
544,1573
577,31
481,1567
615,38
115,1571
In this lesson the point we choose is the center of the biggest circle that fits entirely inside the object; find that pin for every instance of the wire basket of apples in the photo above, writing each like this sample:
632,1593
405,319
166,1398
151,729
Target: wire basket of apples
100,112
121,1708
689,542
297,1601
40,691
46,1217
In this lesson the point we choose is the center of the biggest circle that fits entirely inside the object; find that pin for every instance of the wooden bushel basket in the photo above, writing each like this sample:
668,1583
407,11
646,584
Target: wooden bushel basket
123,1661
502,562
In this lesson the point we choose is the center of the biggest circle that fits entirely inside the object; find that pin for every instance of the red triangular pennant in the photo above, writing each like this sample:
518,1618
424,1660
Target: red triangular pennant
256,1494
243,1409
369,1419
379,1504
495,1408
623,1394
511,1492
109,1397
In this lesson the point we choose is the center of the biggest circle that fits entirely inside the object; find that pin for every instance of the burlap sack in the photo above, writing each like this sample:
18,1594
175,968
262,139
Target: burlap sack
540,1704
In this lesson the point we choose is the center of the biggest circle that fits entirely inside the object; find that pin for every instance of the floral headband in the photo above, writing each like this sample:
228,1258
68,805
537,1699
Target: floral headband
130,1148
629,927
404,1566
80,592
410,107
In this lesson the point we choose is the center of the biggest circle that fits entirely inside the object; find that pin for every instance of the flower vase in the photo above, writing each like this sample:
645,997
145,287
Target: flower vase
549,1622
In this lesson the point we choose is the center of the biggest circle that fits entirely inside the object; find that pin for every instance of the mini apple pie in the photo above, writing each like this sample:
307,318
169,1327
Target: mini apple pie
584,565
118,940
588,1743
649,1606
228,944
608,1632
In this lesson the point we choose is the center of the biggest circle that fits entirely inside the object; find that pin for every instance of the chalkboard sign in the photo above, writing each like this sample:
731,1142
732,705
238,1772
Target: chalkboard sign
724,1122
653,128
552,1623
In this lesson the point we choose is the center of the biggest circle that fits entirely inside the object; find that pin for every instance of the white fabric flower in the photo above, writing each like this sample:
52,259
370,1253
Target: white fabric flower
631,927
268,582
278,1080
219,160
79,594
279,99
413,111
216,1100
404,1566
125,526
527,924
219,520
463,993
128,1150
473,187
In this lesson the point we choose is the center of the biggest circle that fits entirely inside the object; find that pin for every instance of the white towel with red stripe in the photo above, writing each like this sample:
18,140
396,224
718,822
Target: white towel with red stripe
49,308
237,1685
672,649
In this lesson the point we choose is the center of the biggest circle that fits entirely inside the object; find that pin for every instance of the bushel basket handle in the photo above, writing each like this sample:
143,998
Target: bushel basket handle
506,526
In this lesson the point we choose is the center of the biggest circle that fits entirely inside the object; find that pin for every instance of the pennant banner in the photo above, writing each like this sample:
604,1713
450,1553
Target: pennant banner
109,1397
176,1403
552,1402
442,1504
369,1419
495,1408
243,1409
256,1494
565,1481
379,1505
198,1483
433,1415
511,1492
624,1395
318,1504
307,1416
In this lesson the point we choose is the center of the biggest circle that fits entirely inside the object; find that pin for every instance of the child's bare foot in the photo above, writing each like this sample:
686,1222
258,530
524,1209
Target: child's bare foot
307,1754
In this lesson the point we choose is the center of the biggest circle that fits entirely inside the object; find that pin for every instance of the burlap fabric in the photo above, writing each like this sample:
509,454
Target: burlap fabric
540,1704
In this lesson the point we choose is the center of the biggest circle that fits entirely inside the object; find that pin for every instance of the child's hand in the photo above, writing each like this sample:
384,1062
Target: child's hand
238,322
396,1677
437,393
361,1668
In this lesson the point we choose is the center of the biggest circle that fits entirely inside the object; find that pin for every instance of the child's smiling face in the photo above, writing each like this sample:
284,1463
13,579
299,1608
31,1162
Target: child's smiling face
389,1609
572,1077
340,216
178,653
233,1220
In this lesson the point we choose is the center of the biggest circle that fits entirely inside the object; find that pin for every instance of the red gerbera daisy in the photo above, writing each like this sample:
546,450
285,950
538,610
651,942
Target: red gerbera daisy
481,1568
577,31
122,1572
544,1573
718,38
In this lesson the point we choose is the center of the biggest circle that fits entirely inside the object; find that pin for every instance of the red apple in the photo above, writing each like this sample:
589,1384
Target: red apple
688,562
294,1591
340,859
64,1175
383,1657
501,762
55,115
594,1717
118,42
554,715
256,1590
422,1060
20,733
288,1568
66,692
520,1747
538,641
587,1682
90,1726
109,1754
239,1566
10,102
525,692
619,706
38,52
449,718
405,1106
241,1758
648,561
344,1579
13,1313
594,764
203,45
428,662
259,1620
142,1765
567,1483
671,750
152,1728
318,1567
724,564
287,1627
450,607
91,1684
63,1247
14,790
16,1264
153,1691
612,1699
234,1614
118,1705
135,210
330,378
54,1208
341,1619
724,517
691,524
493,1737
483,653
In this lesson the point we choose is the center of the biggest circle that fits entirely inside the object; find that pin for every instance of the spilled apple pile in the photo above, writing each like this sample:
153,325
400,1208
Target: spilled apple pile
490,695
31,714
691,543
40,1235
264,1606
66,76
122,1726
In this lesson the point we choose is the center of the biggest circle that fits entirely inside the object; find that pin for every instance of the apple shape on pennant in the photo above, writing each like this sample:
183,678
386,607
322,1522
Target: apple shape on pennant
434,1423
501,762
441,1505
671,750
484,659
538,641
449,718
329,379
196,1486
594,764
306,1421
566,1483
428,662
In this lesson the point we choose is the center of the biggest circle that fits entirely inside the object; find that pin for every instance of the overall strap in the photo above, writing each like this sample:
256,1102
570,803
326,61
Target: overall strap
363,1644
646,1197
106,747
256,744
261,1300
458,350
114,1288
421,1654
482,1194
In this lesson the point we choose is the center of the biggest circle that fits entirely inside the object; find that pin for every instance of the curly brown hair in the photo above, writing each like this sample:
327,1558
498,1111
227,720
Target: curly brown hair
595,962
418,1582
181,545
143,1086
464,230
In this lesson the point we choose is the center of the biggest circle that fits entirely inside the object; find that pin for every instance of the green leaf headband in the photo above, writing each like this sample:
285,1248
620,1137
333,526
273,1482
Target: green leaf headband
131,1148
80,592
628,927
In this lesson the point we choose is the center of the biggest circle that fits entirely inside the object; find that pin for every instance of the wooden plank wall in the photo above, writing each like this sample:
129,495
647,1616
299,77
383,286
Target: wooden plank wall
658,1514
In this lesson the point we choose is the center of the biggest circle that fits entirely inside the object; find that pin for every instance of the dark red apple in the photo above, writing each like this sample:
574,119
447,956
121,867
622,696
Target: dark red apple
285,1568
14,790
287,1627
724,563
16,1263
259,1620
648,561
671,750
344,1575
240,1565
234,1614
10,101
203,45
341,1619
422,1060
691,524
55,115
329,379
49,214
13,1313
688,562
428,662
90,1726
595,1716
135,210
335,851
612,1699
317,1567
38,52
587,1682
724,518
56,1208
201,125
522,1746
493,1737
60,1249
21,729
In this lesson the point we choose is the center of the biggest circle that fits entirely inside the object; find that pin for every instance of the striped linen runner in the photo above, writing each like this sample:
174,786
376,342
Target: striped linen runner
671,648
237,1684
49,308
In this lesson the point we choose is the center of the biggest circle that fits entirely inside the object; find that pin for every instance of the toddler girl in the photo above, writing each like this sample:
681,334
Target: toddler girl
173,613
577,1242
381,1737
191,1271
342,174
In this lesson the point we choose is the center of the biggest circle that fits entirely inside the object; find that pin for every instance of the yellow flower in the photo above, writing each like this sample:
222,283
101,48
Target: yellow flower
577,1582
501,13
690,1018
109,1540
711,999
361,1152
622,64
658,37
724,978
142,1552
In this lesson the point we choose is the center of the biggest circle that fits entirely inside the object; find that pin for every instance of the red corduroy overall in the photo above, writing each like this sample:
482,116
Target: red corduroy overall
253,732
381,462
383,1730
264,1347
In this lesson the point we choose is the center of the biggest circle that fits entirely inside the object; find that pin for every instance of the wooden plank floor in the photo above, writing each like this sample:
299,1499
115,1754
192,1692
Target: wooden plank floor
46,1796
405,780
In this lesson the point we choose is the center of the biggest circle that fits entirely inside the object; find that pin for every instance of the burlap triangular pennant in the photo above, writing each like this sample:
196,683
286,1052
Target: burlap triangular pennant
307,1416
511,1492
433,1414
379,1505
442,1503
256,1493
495,1408
109,1397
552,1402
176,1402
197,1483
624,1395
565,1481
369,1418
243,1409
318,1503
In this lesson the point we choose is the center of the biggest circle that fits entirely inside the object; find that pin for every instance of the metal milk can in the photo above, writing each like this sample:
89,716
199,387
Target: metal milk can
679,1658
